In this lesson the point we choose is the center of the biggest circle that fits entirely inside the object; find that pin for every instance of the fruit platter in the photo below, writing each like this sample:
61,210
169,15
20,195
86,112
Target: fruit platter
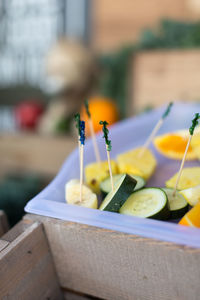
138,198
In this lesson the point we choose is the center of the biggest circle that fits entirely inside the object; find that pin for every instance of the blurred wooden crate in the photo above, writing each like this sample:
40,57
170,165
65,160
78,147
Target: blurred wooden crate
162,76
34,153
115,23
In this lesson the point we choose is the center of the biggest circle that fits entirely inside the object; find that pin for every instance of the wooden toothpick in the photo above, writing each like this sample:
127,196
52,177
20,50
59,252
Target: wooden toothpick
92,133
77,121
108,149
155,130
82,142
191,131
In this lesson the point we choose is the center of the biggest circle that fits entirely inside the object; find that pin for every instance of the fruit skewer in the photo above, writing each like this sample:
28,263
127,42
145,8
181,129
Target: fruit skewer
82,142
108,149
77,122
80,125
94,141
191,131
155,130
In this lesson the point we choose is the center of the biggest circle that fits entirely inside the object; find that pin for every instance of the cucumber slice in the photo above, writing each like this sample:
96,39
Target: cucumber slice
178,205
147,203
105,185
123,189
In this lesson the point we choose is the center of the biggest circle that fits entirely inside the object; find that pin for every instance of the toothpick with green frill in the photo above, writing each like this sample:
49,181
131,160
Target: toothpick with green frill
108,149
155,129
92,133
195,122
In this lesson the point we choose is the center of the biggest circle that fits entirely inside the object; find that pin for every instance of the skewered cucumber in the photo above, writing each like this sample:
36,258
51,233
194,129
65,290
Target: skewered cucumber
147,203
105,186
122,190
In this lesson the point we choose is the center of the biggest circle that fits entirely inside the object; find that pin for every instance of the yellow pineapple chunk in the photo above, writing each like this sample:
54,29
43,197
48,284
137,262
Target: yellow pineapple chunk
130,162
97,172
190,177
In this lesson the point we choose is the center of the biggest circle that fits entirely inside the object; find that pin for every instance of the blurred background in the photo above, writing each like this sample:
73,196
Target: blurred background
125,56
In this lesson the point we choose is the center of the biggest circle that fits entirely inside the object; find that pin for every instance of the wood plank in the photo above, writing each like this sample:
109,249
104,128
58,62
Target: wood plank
16,231
115,23
113,265
162,76
3,244
70,295
29,152
3,223
26,266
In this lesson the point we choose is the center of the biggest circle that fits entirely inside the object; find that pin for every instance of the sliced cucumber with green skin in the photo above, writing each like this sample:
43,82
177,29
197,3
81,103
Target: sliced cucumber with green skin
147,203
123,189
105,185
178,205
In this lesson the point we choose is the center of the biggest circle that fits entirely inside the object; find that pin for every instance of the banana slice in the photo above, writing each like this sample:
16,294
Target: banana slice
72,195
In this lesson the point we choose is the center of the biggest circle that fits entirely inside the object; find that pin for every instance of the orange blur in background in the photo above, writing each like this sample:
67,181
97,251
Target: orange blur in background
101,108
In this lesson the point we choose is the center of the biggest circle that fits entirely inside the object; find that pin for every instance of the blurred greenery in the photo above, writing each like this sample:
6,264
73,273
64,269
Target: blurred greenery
170,34
15,191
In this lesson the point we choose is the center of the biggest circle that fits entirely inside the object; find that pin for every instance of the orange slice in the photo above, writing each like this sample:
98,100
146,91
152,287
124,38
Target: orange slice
172,145
192,218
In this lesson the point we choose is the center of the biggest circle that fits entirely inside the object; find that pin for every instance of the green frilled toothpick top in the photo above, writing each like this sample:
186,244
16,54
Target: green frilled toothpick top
167,111
77,122
87,109
106,132
194,123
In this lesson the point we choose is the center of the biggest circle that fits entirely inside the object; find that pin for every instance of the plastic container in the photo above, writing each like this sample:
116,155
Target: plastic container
124,135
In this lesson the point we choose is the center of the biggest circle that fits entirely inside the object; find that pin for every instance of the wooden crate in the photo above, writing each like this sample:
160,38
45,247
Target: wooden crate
29,152
113,265
26,267
162,76
115,23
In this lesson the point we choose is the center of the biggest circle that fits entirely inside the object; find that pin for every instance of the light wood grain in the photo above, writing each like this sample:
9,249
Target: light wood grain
3,223
115,23
28,152
3,244
113,265
163,76
26,266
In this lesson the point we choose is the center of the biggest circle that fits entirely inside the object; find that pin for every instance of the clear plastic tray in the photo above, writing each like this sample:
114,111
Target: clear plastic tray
125,135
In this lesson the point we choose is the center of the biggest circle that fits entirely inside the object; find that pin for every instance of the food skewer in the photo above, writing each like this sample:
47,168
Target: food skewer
191,131
108,149
94,141
155,130
82,142
77,121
